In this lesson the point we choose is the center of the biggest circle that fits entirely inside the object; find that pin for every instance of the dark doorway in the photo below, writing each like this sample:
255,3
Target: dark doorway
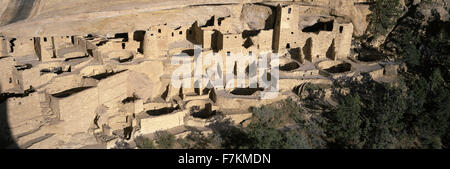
320,26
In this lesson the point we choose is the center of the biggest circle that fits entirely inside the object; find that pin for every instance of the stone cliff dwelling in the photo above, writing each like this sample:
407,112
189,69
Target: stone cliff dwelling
116,84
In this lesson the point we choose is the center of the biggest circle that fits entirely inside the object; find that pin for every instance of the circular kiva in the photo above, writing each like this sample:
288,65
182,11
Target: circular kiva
334,67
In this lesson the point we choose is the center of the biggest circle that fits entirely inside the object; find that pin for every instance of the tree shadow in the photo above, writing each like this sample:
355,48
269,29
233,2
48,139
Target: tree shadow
7,141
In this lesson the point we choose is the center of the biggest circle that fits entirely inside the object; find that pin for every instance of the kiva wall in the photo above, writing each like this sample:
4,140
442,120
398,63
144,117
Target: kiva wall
77,110
113,89
163,122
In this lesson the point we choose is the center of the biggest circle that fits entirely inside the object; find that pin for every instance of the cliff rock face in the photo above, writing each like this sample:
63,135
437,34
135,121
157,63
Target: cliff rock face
37,17
257,16
440,7
422,21
424,8
355,13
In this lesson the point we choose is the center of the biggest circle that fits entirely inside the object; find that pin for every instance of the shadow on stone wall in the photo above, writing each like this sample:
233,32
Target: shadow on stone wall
6,139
